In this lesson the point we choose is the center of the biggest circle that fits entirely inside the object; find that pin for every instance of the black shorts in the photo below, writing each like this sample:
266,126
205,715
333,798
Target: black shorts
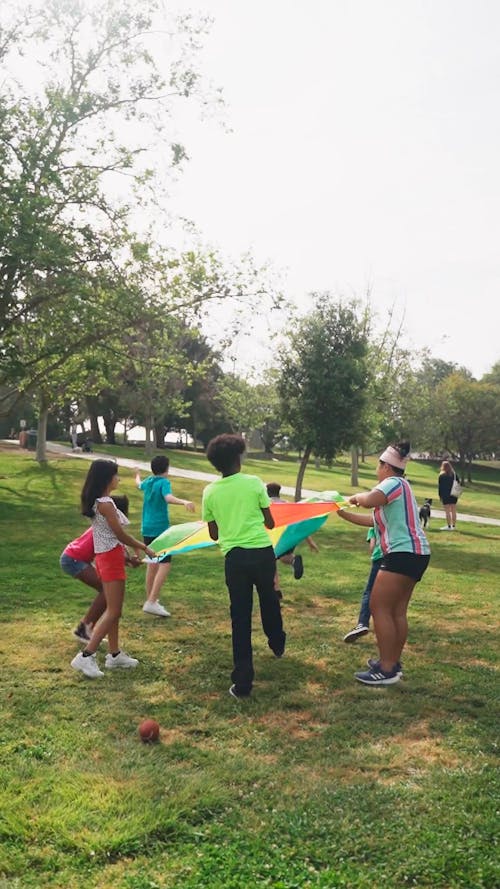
148,540
408,564
449,501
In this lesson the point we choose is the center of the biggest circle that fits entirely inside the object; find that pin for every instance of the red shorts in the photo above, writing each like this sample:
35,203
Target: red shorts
111,565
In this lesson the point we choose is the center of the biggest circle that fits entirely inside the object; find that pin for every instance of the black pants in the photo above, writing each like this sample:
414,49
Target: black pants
246,568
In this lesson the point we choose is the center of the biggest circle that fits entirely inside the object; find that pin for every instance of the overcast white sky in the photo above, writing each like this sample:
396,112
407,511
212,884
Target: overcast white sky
365,152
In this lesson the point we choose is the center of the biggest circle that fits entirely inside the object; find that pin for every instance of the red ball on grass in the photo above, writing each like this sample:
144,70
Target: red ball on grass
149,730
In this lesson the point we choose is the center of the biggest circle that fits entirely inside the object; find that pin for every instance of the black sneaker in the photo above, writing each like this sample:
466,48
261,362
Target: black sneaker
279,649
298,567
377,676
359,630
238,694
375,665
82,633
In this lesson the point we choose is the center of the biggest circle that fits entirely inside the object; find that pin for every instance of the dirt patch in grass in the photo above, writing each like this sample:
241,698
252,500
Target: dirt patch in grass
299,726
469,619
408,754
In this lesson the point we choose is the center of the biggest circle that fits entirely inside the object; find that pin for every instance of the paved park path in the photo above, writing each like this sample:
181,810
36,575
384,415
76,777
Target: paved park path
53,447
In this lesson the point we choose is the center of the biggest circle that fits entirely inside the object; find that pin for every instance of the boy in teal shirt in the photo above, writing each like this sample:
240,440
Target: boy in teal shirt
157,492
237,509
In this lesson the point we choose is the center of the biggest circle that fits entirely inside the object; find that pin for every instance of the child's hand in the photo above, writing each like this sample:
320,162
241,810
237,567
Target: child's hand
150,552
189,506
135,561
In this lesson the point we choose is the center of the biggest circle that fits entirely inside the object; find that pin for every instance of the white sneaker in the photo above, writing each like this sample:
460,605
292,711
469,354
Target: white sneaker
87,665
446,528
122,659
155,608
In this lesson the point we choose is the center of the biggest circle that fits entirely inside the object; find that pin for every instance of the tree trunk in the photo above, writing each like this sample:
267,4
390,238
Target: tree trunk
148,426
469,470
95,433
302,469
109,425
41,443
195,436
354,466
159,435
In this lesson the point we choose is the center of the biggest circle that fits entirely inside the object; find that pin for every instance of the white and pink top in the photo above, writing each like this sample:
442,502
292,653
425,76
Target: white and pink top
105,538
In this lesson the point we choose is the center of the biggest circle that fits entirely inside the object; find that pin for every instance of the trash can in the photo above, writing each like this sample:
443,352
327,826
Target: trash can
32,439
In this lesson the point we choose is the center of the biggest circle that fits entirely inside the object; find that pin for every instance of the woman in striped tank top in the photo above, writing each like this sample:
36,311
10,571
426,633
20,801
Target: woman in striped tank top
405,557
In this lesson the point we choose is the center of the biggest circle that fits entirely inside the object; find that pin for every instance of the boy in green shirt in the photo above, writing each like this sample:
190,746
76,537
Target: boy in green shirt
236,508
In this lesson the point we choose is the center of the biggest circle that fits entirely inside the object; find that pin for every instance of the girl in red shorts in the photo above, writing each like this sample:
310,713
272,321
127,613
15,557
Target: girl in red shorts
110,539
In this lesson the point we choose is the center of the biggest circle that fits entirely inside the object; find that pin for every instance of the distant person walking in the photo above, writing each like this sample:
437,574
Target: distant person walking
447,476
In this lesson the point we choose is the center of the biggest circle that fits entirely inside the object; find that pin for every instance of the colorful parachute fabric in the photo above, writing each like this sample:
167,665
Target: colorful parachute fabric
293,523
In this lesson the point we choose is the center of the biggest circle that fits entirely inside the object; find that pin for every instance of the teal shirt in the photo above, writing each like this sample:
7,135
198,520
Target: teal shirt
236,504
155,518
397,521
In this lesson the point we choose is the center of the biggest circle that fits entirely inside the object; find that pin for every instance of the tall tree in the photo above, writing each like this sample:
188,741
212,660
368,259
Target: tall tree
323,379
62,166
469,418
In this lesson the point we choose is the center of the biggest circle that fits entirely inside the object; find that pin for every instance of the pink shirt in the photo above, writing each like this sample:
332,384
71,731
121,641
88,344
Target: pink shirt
82,549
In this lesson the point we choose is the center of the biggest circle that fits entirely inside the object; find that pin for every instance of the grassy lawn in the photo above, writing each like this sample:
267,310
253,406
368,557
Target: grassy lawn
316,781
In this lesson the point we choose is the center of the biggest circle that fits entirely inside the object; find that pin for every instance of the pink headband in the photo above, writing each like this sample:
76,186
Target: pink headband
394,458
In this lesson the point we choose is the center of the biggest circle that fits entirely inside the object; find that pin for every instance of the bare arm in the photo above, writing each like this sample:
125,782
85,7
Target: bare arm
213,530
108,510
355,518
137,477
268,519
368,498
175,500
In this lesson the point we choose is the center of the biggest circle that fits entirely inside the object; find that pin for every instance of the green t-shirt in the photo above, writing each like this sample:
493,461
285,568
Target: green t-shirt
236,504
376,551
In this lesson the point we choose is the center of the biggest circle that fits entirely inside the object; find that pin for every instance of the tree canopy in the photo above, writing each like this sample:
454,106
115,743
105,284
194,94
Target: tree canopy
323,378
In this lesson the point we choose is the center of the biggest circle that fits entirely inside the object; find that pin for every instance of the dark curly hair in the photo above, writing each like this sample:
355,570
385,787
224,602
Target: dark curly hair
273,489
223,451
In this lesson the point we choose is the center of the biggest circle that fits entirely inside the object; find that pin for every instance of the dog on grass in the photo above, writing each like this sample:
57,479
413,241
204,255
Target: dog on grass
425,512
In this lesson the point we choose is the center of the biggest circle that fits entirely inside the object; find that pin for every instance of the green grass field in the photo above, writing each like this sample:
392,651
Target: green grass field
315,781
